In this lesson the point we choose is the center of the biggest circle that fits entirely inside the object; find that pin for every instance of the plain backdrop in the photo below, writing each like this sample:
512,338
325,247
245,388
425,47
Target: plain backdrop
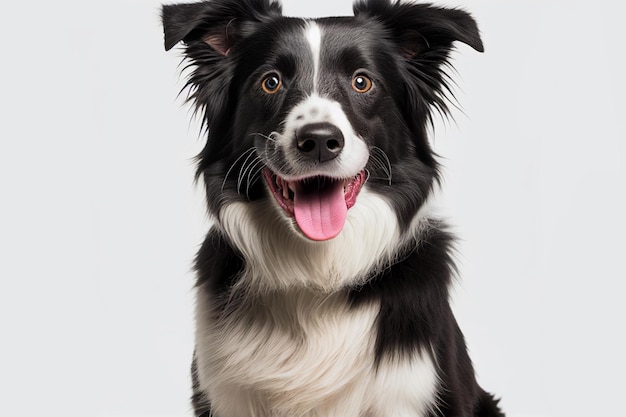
100,221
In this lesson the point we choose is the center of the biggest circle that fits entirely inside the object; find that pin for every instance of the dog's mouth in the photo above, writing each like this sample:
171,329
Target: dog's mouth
318,204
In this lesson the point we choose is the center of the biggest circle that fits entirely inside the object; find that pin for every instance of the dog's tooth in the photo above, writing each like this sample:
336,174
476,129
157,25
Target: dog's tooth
281,185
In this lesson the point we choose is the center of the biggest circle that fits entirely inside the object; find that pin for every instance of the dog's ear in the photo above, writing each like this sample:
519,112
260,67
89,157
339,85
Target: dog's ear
423,36
420,28
216,22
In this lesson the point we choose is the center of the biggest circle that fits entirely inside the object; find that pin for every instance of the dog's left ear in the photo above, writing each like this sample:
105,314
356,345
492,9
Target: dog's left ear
419,28
216,22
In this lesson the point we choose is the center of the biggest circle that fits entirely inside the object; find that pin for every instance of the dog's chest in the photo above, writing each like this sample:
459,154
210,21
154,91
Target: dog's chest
289,354
305,355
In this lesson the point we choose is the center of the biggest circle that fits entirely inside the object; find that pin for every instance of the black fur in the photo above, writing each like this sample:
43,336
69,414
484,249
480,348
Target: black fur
406,48
413,316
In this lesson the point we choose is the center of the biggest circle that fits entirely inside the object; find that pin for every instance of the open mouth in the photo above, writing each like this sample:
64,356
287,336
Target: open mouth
318,204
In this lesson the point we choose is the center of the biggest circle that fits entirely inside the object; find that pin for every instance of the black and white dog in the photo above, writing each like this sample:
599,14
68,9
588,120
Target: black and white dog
322,288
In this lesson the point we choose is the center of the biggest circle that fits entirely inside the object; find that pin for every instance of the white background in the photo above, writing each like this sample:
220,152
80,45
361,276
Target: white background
99,220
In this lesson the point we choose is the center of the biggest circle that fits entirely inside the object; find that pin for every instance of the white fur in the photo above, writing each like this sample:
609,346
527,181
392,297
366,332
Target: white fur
293,347
304,354
406,388
313,35
297,353
278,258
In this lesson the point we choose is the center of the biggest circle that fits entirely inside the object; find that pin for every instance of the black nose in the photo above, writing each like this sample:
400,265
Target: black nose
319,141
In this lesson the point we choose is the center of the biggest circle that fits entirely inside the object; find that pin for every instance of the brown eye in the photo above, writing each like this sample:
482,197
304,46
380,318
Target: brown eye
361,83
271,84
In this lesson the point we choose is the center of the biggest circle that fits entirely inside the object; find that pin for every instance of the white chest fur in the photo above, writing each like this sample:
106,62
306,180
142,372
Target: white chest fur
278,259
294,347
304,355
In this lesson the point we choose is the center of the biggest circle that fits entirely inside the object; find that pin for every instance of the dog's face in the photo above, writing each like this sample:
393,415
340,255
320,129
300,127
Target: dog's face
308,113
314,106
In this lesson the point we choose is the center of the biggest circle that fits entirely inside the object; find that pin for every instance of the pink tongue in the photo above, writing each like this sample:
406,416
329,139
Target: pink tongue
320,213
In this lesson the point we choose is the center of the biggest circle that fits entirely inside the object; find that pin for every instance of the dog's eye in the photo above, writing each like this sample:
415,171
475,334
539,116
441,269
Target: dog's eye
361,84
271,84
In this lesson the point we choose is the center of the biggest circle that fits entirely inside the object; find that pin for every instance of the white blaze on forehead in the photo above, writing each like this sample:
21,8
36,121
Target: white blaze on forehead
313,35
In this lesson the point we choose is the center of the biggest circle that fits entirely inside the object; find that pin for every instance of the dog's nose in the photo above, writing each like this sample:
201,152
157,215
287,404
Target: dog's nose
319,141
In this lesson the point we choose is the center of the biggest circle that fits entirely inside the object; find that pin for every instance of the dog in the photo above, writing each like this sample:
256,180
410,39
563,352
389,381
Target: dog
323,283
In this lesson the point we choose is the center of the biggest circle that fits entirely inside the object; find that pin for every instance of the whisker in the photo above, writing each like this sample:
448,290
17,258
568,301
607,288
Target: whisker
381,160
256,177
243,170
254,168
268,137
378,165
249,151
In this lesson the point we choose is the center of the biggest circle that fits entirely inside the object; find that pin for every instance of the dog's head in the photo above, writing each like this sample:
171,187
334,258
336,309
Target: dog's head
308,113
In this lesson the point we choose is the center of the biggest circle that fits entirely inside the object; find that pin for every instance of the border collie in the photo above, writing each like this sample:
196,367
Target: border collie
323,284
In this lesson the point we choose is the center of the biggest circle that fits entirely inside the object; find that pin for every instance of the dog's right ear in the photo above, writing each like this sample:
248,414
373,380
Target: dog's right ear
215,22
